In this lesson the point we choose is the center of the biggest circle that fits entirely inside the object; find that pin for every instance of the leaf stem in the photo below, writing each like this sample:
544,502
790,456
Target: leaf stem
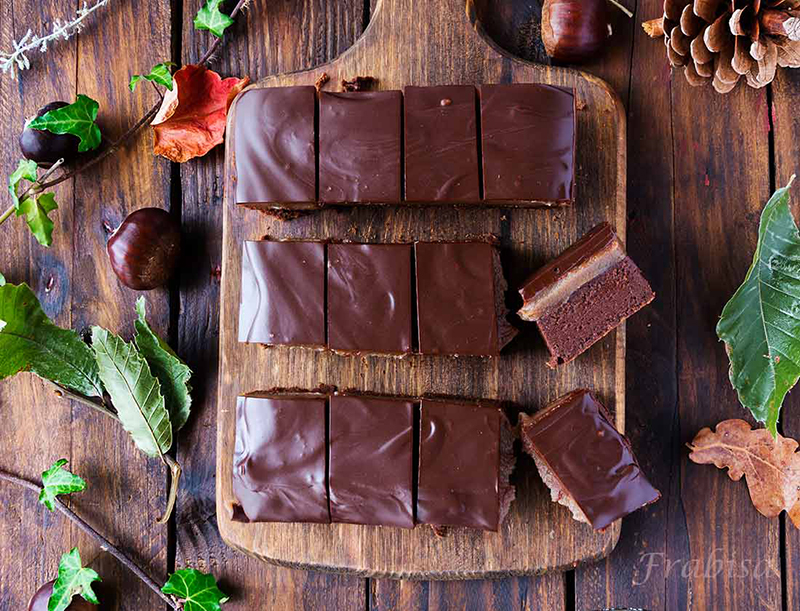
104,543
6,214
622,8
98,406
175,478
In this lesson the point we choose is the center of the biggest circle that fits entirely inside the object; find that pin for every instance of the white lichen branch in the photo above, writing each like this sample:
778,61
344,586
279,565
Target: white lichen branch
11,61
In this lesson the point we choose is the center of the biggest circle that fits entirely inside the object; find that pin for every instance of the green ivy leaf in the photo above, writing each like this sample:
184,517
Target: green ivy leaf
26,170
212,19
197,591
77,119
172,373
35,209
135,392
760,325
73,579
29,341
160,74
57,480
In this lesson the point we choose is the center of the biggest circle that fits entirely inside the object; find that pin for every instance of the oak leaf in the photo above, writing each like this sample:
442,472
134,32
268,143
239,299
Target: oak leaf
191,120
770,465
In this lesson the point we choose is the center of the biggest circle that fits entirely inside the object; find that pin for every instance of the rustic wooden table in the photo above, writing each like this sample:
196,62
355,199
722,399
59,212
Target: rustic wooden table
700,168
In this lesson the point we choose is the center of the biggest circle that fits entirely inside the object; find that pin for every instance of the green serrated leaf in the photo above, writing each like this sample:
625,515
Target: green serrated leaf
197,591
26,170
35,208
29,341
77,119
760,325
212,19
172,373
57,480
135,392
73,579
160,74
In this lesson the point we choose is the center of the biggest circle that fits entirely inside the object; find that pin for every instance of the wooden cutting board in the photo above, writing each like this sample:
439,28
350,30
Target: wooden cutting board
435,42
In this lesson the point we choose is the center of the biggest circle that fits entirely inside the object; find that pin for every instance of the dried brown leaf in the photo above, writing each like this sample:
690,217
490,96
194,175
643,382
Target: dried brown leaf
771,466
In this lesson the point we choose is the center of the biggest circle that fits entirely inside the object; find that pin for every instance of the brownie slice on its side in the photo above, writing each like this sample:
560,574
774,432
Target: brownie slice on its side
461,299
585,293
587,464
465,461
279,458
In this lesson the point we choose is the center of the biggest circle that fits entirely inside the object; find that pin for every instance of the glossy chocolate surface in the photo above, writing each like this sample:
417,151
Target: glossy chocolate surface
459,468
369,297
441,144
274,145
279,459
528,142
456,305
359,147
283,293
595,464
598,240
371,453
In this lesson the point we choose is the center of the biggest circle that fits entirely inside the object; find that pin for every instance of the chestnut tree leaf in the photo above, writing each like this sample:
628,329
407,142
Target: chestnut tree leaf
77,119
135,392
26,170
2,280
172,373
210,18
160,74
770,466
760,325
57,480
35,209
195,590
73,579
29,341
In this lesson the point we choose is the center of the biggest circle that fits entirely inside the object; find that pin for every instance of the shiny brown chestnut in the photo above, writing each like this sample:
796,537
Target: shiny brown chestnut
44,147
39,600
575,30
144,249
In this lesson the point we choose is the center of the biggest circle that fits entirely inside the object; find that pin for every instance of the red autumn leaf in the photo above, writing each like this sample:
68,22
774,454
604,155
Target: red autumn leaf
191,120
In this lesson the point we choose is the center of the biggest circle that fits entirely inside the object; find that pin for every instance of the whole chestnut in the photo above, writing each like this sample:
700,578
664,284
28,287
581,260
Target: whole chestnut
45,148
39,600
575,30
144,249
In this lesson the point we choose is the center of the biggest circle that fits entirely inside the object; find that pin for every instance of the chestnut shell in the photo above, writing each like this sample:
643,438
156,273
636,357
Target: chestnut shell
144,249
39,600
45,148
575,31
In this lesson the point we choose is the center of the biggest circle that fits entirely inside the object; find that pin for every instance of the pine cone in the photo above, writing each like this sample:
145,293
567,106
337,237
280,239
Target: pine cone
723,40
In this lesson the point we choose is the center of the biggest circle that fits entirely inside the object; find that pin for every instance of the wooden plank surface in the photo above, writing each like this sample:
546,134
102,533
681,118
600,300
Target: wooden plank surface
291,34
537,535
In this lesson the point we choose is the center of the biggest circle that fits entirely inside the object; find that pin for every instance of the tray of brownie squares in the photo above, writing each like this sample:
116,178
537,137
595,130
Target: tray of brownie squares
311,455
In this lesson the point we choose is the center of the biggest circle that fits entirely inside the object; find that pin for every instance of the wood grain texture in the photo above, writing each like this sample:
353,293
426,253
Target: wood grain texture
786,134
538,535
271,36
37,425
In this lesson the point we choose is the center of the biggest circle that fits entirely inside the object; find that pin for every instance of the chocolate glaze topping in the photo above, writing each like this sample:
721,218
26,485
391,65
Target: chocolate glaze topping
283,293
274,145
369,297
593,462
371,453
441,152
459,454
279,459
456,302
359,147
528,134
600,239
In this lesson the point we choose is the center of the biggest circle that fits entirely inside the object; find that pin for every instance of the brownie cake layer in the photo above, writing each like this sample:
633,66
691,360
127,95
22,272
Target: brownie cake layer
583,294
588,465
